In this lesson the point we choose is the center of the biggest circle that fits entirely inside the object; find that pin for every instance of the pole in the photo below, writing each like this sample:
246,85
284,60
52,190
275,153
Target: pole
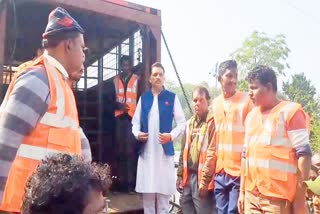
178,76
216,77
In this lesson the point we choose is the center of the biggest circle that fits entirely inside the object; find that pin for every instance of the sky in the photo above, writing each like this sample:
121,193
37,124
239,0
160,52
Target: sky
204,32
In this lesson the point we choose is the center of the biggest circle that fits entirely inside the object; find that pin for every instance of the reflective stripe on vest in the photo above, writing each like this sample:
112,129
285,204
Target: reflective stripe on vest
128,95
230,127
230,148
58,119
57,131
55,120
35,152
203,140
60,95
230,131
275,141
133,90
271,162
128,100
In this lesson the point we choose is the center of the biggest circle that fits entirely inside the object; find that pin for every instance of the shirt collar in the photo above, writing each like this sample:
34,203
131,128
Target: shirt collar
56,64
206,119
201,119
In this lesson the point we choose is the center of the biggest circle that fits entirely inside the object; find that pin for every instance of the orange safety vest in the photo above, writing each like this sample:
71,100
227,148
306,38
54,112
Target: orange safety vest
128,95
271,163
56,132
230,131
202,146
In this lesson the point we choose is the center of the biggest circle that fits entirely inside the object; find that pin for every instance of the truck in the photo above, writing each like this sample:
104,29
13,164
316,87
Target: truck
112,28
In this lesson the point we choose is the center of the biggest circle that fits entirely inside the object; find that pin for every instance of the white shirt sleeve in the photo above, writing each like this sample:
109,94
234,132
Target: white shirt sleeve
85,146
179,119
136,120
299,137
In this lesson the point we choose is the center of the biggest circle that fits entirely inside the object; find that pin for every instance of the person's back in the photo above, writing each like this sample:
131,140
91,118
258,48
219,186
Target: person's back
313,186
39,113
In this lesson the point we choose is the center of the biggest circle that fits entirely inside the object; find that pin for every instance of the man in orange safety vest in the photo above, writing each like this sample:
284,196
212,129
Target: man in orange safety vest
277,157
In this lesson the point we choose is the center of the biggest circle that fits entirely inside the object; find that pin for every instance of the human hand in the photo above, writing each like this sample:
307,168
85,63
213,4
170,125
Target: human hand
143,137
203,191
241,202
179,184
164,138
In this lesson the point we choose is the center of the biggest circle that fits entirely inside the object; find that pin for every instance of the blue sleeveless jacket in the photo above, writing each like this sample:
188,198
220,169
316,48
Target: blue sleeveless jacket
166,106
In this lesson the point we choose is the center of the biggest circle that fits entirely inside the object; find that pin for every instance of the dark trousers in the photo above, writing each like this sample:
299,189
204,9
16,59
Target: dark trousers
190,201
226,193
125,153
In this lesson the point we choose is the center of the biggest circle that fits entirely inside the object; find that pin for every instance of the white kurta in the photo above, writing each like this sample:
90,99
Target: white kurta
156,172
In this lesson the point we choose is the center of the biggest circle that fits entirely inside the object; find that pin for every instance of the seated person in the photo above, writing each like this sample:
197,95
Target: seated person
66,184
312,176
314,188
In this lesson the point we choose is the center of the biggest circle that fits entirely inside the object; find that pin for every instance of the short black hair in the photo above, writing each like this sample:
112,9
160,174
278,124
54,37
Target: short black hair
157,65
228,64
61,184
52,41
202,89
125,58
264,75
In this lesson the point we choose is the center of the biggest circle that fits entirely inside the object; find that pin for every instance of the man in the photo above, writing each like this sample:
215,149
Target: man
310,197
229,110
314,189
277,155
39,114
198,135
126,94
66,184
152,126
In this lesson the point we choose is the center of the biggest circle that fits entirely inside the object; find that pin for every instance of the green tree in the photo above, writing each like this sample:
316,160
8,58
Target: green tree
260,49
315,135
243,85
301,90
188,87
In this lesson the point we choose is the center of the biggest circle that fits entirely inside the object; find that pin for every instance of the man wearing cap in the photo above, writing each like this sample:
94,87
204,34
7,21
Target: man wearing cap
38,116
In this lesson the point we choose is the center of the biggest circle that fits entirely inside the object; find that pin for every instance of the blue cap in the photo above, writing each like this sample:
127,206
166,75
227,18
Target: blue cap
61,21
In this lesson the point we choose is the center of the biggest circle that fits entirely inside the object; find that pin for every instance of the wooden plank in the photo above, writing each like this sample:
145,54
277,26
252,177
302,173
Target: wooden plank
157,35
125,203
110,9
